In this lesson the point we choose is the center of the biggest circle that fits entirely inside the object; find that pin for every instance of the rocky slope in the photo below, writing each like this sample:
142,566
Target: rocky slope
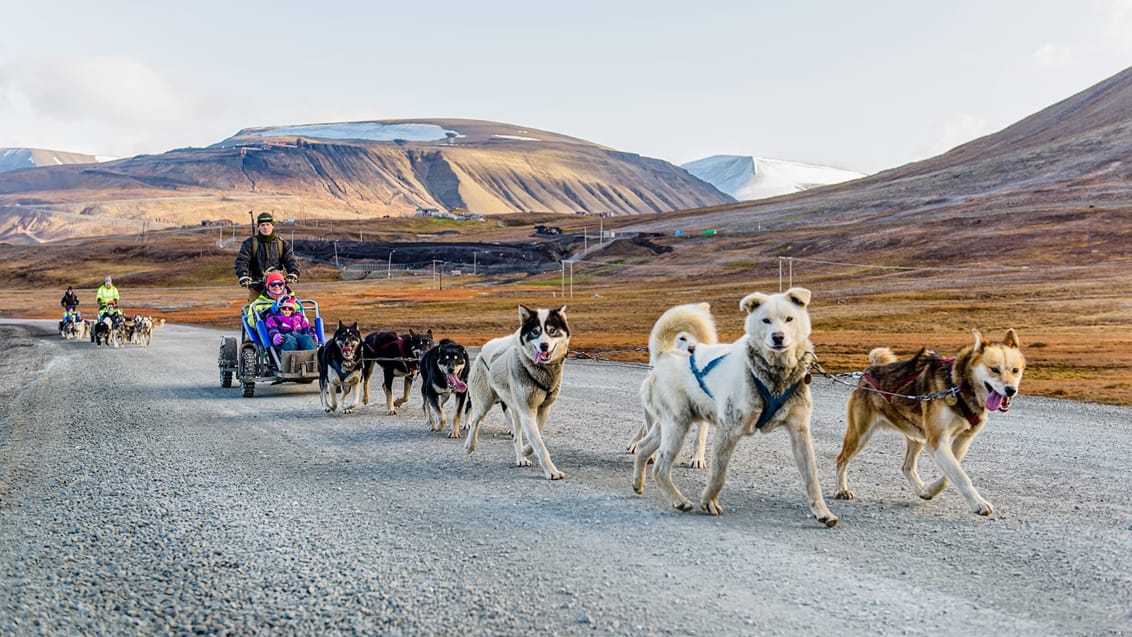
485,168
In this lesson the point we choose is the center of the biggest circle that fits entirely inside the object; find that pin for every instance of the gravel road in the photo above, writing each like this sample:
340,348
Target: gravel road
139,497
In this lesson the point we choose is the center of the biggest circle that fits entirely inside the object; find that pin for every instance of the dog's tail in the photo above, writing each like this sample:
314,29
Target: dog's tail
881,356
681,327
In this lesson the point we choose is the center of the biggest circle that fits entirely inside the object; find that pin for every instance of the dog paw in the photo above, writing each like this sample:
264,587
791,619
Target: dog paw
697,464
829,521
639,485
391,412
328,409
455,433
844,494
348,410
398,403
555,475
683,505
711,507
982,507
523,462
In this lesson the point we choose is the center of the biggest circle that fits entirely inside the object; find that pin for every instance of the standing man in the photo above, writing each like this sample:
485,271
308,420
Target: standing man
106,295
264,252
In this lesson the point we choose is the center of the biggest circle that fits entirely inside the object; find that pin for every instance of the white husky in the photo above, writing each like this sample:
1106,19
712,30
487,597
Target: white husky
524,372
759,382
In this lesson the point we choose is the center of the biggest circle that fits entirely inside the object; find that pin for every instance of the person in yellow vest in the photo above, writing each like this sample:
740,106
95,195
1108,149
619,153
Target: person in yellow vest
107,294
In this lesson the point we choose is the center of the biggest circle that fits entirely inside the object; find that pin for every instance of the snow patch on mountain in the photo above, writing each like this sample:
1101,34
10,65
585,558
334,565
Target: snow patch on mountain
373,131
747,178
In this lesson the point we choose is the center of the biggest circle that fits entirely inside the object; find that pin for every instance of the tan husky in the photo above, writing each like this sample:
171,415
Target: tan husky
935,402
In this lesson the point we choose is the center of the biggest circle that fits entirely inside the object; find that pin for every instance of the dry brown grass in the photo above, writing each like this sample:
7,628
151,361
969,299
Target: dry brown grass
1074,322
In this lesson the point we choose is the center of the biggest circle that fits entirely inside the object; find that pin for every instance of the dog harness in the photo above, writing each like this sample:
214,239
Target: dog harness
771,403
965,410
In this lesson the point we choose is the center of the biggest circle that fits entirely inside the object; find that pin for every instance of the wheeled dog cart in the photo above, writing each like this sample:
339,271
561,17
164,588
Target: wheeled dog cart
251,359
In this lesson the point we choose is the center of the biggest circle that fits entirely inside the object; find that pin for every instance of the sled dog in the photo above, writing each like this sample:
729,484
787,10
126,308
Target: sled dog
757,383
444,374
961,392
523,371
677,342
340,368
398,355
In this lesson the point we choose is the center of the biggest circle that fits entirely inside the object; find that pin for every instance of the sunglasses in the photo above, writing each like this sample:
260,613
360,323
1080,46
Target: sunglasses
276,284
288,310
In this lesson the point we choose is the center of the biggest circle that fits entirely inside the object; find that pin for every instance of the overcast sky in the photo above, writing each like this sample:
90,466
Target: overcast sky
863,85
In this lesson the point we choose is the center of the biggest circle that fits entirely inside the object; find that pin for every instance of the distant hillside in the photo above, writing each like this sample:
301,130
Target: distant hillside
747,178
1054,187
346,171
17,158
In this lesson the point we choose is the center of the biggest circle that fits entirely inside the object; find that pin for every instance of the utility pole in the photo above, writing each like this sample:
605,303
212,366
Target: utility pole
336,254
389,266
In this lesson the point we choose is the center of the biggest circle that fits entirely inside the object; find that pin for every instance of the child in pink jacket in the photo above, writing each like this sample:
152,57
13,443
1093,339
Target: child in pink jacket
288,329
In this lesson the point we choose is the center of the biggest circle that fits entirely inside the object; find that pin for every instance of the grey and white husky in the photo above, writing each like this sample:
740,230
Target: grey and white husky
524,372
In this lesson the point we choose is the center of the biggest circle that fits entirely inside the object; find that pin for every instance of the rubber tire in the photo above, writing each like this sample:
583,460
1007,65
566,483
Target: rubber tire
248,361
225,378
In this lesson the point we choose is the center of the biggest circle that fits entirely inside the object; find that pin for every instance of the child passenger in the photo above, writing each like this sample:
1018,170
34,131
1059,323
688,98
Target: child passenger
288,329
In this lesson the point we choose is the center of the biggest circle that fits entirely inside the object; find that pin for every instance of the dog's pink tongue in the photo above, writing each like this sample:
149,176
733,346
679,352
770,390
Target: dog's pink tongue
541,357
455,383
994,401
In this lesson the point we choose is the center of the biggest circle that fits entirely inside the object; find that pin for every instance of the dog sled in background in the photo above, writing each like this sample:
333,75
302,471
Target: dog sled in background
399,356
444,375
758,383
523,371
935,402
250,358
109,330
71,326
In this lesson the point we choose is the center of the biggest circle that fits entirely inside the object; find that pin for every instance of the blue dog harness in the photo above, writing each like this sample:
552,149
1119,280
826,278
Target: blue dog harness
771,403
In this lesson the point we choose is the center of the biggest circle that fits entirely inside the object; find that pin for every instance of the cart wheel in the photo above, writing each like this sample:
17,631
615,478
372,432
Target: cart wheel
249,369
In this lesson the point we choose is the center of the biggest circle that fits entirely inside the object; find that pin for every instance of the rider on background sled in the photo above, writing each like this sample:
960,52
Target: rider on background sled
107,294
70,303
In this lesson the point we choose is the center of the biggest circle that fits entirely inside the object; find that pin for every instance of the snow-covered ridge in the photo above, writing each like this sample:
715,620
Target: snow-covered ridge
373,131
747,178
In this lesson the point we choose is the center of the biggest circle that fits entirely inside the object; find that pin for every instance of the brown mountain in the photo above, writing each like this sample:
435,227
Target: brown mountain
483,167
1056,186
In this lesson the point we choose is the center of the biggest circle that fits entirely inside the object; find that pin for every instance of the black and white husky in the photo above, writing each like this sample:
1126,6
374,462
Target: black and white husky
340,369
524,372
444,373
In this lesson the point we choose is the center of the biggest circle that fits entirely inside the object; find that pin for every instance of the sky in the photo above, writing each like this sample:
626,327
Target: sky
864,85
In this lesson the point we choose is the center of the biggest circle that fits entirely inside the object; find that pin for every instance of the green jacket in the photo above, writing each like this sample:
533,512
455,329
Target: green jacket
106,294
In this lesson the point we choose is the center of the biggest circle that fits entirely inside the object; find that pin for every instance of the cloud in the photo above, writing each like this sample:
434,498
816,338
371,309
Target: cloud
1053,55
960,129
104,89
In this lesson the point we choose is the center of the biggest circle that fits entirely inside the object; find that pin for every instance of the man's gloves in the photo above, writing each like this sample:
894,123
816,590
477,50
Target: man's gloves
245,281
292,278
277,339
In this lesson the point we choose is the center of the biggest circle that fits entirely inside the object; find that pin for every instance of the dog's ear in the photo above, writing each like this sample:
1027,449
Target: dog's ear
429,334
355,327
978,339
1011,339
561,309
525,313
412,334
752,301
799,296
